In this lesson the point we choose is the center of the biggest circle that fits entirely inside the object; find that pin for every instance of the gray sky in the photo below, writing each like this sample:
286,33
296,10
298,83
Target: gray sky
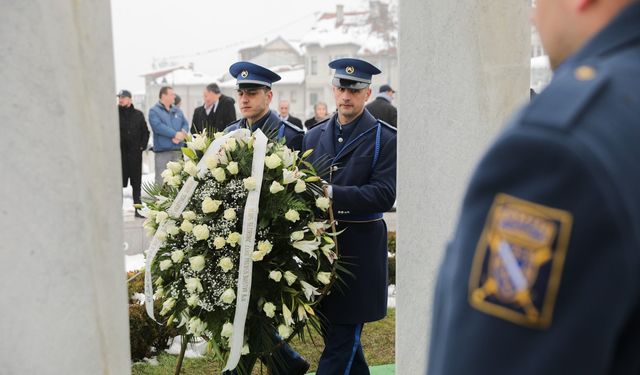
147,29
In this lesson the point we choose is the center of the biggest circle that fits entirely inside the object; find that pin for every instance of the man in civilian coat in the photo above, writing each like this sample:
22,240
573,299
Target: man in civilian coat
283,112
217,112
254,96
134,136
362,185
381,107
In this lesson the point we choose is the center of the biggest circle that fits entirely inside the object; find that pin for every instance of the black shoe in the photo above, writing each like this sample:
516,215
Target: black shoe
293,366
299,367
137,214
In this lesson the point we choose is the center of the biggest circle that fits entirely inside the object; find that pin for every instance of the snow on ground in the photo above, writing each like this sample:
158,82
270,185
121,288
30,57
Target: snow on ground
194,350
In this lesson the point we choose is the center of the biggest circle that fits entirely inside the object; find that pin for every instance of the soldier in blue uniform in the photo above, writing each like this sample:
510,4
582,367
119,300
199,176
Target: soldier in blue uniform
362,184
254,96
542,273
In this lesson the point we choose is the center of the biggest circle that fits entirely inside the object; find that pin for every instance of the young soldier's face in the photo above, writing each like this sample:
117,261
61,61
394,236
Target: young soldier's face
254,102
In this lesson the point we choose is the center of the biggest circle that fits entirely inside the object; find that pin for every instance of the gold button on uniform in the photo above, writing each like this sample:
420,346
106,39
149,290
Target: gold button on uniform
585,73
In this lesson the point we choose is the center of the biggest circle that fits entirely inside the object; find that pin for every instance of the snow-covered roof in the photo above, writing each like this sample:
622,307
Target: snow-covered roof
374,33
291,75
184,76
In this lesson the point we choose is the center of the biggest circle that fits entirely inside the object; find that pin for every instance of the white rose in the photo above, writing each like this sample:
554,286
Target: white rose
193,300
191,168
226,264
161,235
189,215
161,216
275,187
284,331
288,176
272,161
275,276
265,246
286,313
297,236
257,256
201,232
290,277
165,264
196,326
300,186
199,143
210,205
197,263
324,277
269,309
193,285
292,215
177,256
211,162
219,242
231,144
175,167
186,226
166,175
322,203
171,228
168,305
227,330
175,181
233,167
229,214
245,349
234,238
218,174
250,183
228,296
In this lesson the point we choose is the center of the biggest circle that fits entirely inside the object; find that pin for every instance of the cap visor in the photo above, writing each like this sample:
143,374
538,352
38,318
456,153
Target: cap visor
348,84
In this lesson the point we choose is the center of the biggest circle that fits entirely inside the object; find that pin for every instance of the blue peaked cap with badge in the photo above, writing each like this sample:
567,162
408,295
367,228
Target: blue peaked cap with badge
353,73
252,75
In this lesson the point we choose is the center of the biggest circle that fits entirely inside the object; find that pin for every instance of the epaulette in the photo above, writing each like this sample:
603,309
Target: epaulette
232,124
387,125
294,127
567,97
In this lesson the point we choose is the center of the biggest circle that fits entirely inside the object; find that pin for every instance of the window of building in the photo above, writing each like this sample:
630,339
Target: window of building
293,97
313,98
314,65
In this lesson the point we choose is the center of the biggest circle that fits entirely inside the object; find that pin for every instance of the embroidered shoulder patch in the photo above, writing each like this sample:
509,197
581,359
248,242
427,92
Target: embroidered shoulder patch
518,262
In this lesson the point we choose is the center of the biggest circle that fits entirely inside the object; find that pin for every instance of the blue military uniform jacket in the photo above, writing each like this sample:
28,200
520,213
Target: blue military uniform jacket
542,275
272,125
363,179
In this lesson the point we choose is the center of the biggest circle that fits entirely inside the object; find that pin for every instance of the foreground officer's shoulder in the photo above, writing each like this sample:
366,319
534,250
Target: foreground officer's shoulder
568,97
232,126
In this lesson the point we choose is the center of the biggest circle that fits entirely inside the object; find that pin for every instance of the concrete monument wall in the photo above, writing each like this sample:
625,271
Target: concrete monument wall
464,67
62,287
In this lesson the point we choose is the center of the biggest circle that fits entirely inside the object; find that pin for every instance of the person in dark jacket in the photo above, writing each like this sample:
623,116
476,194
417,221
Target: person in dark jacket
381,107
134,136
217,112
320,113
362,185
283,113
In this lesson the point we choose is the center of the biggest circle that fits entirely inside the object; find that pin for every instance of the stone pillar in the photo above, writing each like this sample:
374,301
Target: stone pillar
464,67
62,283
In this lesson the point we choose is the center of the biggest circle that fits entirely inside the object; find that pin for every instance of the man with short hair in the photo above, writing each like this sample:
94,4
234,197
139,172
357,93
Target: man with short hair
283,112
381,107
217,112
541,275
320,113
134,136
362,184
254,96
170,128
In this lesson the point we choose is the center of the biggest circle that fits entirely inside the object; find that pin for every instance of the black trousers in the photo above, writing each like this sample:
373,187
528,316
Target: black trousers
132,171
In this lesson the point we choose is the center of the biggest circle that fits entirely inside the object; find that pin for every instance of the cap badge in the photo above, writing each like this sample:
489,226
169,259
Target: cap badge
350,69
244,74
